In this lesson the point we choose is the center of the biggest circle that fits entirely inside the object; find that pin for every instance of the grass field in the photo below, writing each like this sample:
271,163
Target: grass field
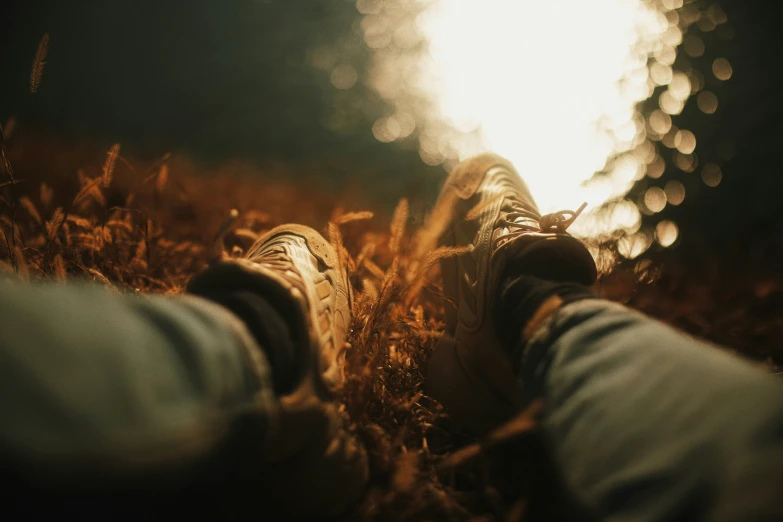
76,211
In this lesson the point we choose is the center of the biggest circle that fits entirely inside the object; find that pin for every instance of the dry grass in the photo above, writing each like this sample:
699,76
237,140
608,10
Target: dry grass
88,214
148,228
39,62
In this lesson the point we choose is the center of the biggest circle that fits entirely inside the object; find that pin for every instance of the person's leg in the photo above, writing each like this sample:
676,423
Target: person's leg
172,397
643,422
97,388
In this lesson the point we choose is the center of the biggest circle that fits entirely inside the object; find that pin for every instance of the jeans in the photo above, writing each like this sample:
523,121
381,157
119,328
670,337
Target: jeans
131,397
642,422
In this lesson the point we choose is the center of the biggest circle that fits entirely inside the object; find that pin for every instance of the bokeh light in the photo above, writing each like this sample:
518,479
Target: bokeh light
656,169
694,46
655,199
369,7
707,102
685,141
666,233
675,192
660,122
721,68
711,175
697,80
685,162
560,88
344,77
634,245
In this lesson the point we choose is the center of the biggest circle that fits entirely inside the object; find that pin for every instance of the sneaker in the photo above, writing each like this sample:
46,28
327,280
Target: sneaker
314,465
492,214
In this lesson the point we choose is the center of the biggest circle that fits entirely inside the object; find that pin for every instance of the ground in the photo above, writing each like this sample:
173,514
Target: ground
85,212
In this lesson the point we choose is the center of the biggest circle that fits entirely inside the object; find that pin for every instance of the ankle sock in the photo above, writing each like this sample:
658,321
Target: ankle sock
520,298
271,332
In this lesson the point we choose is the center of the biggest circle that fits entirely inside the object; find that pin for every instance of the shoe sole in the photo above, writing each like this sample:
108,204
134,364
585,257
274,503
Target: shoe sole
472,402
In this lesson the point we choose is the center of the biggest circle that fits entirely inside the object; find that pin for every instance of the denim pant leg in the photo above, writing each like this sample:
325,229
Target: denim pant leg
96,388
647,424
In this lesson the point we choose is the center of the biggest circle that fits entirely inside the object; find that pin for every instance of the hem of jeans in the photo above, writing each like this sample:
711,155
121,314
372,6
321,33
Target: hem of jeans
536,355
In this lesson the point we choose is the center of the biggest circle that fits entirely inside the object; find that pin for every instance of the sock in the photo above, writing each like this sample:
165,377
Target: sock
521,298
271,332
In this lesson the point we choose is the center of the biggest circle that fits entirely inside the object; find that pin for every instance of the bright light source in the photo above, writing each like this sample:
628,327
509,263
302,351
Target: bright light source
553,86
537,78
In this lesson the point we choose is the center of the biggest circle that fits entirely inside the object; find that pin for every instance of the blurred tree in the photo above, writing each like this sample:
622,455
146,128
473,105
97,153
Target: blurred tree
225,78
739,217
216,78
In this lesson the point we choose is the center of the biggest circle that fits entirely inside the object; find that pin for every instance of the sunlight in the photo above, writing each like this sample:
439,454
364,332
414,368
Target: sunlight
553,86
537,78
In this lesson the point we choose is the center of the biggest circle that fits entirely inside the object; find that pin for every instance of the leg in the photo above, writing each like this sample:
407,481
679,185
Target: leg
172,396
98,389
643,422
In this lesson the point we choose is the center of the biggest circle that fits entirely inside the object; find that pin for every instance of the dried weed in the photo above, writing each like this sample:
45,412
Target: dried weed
116,230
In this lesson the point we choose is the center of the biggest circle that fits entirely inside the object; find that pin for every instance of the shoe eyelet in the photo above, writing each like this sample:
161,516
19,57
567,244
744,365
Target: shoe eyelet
321,252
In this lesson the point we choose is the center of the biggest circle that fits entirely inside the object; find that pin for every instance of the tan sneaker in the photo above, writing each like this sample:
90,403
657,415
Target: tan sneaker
316,467
494,215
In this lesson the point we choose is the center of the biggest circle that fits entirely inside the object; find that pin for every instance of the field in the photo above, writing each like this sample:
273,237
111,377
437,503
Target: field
72,210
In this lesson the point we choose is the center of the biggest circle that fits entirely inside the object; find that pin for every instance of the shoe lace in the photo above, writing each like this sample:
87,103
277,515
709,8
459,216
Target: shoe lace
520,220
275,258
272,254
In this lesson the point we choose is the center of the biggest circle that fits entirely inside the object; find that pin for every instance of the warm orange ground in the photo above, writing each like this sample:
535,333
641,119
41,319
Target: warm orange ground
151,226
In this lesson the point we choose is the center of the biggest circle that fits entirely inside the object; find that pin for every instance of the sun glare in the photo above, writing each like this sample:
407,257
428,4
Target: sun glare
554,86
538,79
561,88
